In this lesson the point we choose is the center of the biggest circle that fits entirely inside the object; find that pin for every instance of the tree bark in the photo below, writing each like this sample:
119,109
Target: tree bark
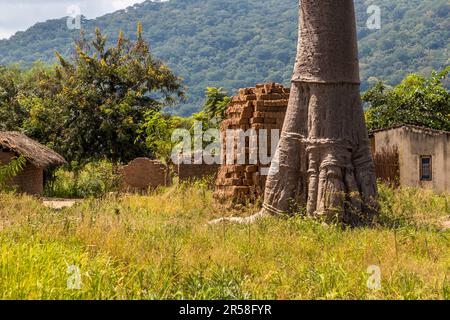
323,161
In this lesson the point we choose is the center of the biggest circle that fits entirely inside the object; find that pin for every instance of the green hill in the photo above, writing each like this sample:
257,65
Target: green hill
237,43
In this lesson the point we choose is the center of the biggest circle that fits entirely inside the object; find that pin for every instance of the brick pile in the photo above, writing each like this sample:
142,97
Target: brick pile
262,107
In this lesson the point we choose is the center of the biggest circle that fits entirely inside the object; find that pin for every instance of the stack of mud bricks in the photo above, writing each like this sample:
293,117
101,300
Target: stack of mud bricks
262,107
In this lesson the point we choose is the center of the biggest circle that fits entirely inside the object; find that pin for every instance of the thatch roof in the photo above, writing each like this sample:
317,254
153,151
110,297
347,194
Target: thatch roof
36,153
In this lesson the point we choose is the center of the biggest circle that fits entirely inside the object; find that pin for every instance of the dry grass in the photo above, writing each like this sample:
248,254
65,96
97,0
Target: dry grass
160,247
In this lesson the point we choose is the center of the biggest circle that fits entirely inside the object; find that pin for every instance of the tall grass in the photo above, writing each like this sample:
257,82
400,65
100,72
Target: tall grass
160,247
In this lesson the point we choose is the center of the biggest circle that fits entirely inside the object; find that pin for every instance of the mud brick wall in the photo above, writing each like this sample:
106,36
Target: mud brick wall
262,107
142,174
5,157
188,172
30,180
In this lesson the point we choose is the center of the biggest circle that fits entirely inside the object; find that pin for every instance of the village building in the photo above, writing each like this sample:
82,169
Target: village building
413,157
38,158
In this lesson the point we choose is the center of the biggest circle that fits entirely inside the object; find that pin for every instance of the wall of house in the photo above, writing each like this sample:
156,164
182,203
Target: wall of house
30,180
412,143
5,157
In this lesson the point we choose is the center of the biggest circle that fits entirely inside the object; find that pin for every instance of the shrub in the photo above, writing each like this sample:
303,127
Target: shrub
92,180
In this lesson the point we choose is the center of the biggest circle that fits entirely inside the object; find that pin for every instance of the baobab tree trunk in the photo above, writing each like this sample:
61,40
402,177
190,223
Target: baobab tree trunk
323,161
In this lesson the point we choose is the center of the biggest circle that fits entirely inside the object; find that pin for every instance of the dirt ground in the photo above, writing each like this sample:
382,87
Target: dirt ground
446,225
59,204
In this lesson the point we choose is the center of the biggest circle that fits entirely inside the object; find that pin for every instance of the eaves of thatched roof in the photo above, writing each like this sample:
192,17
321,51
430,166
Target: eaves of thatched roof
36,153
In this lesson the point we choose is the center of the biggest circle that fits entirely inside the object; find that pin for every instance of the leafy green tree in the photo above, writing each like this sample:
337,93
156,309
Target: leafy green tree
12,114
107,92
89,107
216,103
28,101
157,131
40,97
416,101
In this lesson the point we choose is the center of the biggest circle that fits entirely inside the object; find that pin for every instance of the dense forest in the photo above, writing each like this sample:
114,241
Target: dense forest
237,43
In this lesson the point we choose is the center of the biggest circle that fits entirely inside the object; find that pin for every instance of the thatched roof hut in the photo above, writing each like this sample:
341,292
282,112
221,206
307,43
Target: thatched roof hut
35,153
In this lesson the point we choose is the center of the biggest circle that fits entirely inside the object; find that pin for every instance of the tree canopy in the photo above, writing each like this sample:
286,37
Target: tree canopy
416,101
90,107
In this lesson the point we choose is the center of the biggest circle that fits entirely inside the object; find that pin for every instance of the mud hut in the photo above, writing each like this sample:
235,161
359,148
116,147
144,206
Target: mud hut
38,156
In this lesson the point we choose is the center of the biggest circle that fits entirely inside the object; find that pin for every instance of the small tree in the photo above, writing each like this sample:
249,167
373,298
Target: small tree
157,131
216,103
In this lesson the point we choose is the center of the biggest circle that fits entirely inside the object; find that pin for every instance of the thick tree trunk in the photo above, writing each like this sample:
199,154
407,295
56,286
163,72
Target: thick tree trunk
323,161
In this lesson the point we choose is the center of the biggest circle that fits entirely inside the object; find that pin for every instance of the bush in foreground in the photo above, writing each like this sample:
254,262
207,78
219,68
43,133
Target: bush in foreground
95,179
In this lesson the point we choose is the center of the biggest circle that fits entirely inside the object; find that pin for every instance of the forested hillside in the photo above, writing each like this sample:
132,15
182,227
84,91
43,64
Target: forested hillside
237,43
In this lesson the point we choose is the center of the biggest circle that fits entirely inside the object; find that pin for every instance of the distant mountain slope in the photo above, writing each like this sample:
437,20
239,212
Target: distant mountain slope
237,43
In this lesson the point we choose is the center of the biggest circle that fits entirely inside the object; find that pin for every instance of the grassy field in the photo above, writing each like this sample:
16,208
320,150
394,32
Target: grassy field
160,247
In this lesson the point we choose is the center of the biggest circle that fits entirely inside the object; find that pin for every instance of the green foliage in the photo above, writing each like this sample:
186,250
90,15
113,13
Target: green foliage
216,103
107,94
94,179
416,101
412,207
157,131
90,107
19,92
11,113
235,43
159,128
10,170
